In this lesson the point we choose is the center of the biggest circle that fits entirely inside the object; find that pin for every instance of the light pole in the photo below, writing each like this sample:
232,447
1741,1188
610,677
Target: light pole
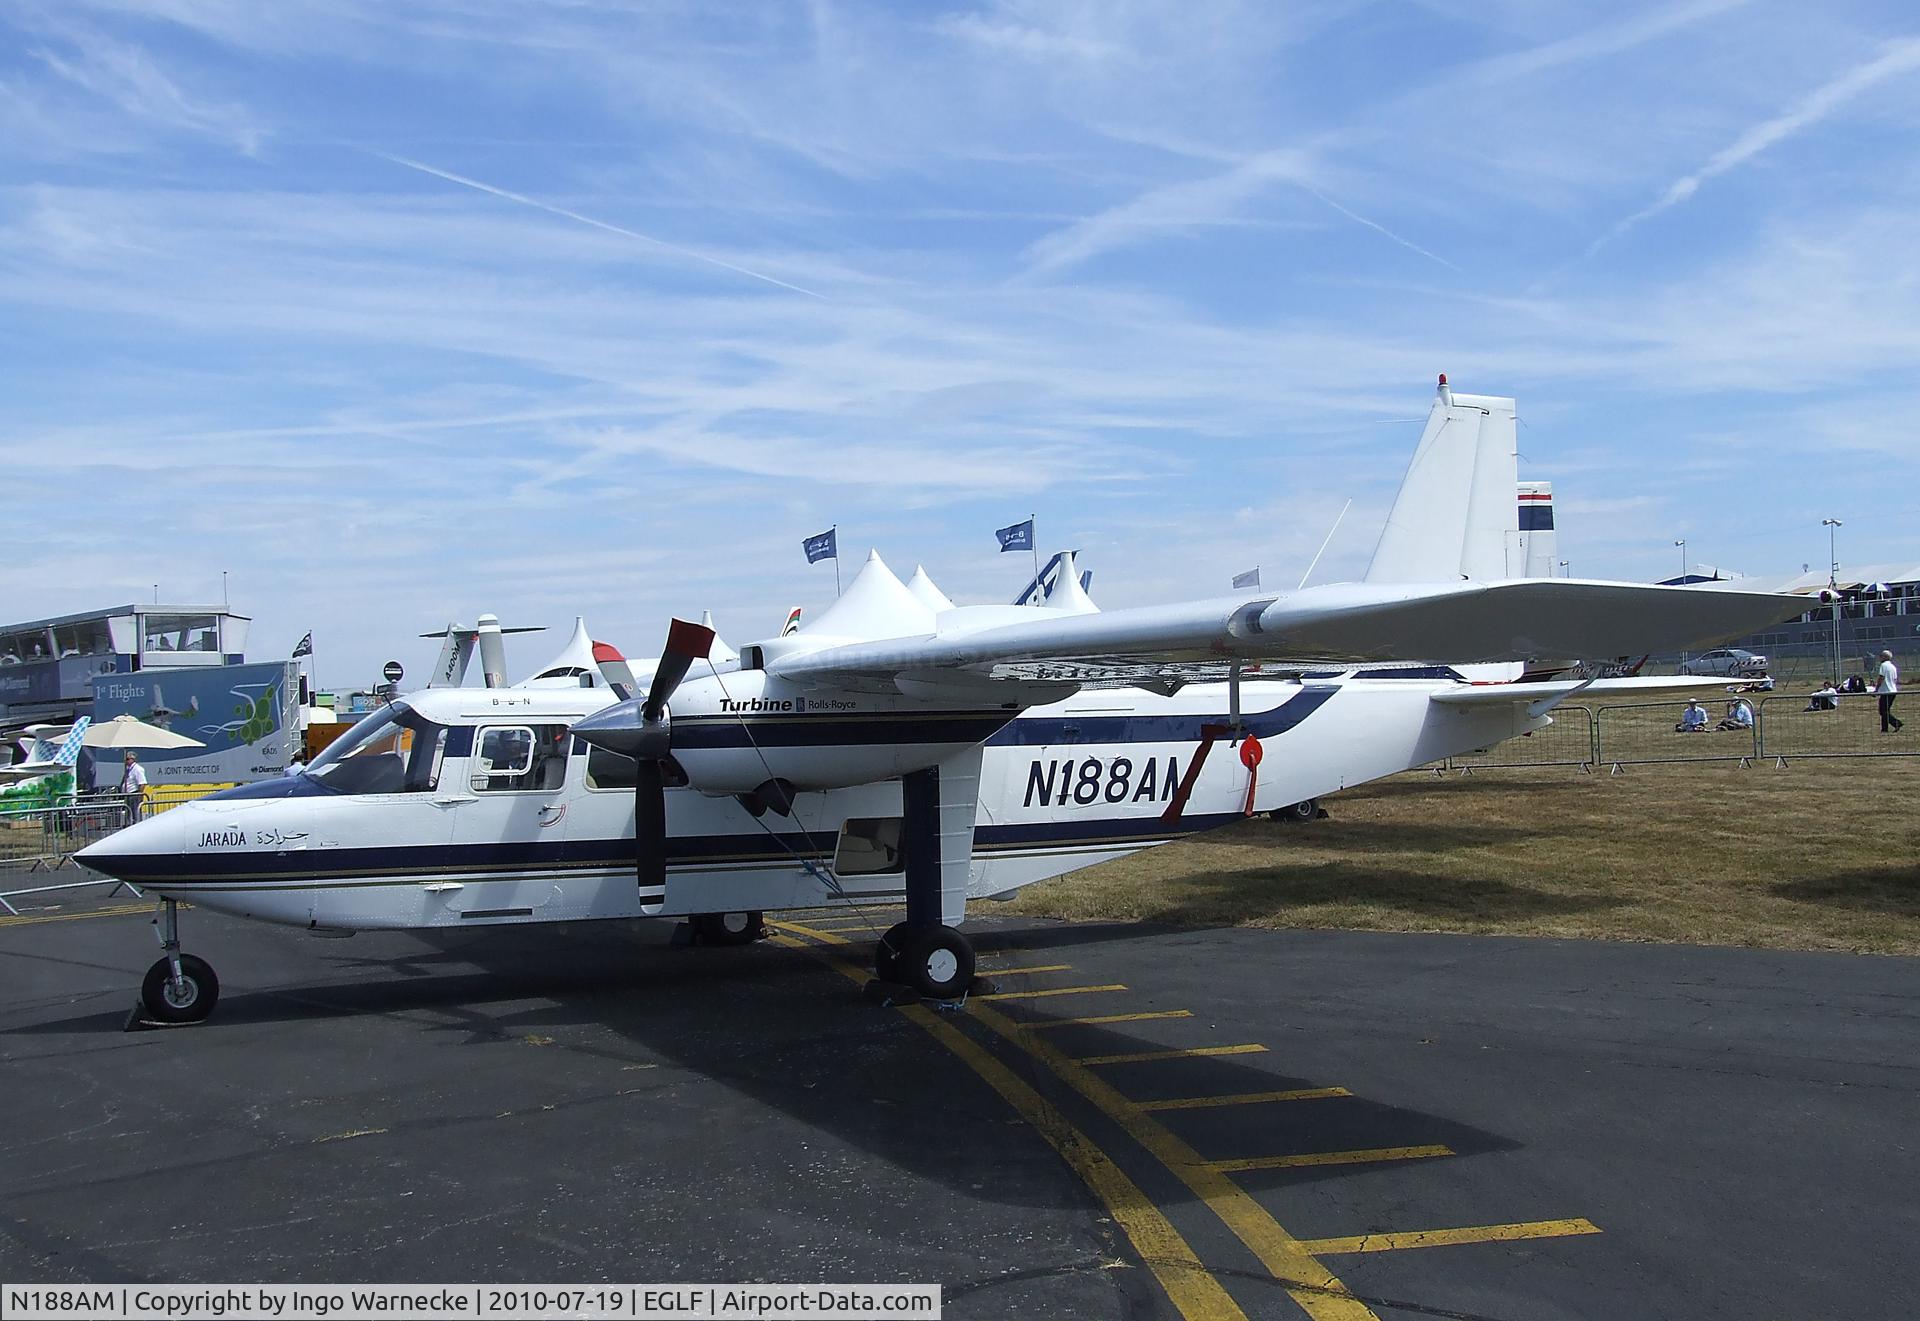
1566,568
1833,587
1682,544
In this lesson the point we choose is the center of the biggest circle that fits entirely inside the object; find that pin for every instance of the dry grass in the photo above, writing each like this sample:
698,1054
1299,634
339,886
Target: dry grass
1820,855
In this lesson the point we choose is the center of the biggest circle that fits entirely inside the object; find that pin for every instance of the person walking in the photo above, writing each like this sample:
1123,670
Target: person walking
1889,688
133,784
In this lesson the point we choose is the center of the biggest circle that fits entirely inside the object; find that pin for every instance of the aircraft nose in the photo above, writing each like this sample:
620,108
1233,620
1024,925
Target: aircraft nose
136,852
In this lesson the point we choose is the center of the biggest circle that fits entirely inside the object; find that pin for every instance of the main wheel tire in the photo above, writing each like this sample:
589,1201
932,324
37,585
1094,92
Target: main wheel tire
886,954
937,962
191,1002
1305,810
729,928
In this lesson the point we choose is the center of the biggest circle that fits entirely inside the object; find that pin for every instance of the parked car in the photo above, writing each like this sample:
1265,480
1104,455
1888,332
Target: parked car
1727,662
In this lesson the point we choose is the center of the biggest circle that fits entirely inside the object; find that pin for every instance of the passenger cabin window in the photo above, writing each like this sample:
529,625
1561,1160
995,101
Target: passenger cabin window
521,757
868,846
396,750
610,770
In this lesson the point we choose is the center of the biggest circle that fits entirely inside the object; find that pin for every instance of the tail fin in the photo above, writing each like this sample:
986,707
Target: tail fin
456,653
64,750
1538,545
1454,514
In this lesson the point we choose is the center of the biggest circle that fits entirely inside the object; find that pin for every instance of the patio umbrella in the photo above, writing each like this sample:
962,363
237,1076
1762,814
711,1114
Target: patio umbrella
130,732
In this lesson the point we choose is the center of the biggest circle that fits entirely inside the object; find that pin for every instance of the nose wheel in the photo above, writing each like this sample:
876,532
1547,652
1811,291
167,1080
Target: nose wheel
178,988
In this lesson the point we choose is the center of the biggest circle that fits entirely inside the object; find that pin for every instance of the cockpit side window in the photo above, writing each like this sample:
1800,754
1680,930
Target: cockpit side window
516,757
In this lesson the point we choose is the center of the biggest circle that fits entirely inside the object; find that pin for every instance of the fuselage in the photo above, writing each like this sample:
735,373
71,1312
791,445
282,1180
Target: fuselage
465,807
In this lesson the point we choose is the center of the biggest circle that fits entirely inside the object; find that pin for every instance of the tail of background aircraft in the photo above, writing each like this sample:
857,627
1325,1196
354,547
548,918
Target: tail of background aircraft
63,750
1538,544
456,653
1454,514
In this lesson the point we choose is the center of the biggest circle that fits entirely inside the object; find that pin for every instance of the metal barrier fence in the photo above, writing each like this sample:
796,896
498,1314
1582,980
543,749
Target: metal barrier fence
46,838
1846,725
1646,732
1568,741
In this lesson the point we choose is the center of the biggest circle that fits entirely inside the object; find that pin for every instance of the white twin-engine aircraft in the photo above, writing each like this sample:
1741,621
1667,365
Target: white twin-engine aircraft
902,746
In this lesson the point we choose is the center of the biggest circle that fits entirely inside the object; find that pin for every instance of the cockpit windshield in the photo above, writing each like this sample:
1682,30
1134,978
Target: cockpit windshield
395,750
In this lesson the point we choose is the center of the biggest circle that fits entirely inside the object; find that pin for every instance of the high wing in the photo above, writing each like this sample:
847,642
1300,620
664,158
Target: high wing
1454,623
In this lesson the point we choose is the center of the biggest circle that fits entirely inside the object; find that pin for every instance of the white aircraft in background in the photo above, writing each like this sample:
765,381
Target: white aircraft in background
55,751
902,746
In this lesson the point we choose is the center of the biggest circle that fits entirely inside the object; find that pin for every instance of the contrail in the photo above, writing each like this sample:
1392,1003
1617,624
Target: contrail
551,209
1895,57
1359,219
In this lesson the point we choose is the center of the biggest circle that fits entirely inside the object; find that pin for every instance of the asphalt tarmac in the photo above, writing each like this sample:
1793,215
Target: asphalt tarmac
1262,1123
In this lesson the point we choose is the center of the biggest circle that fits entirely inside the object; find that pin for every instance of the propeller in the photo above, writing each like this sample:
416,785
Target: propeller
643,729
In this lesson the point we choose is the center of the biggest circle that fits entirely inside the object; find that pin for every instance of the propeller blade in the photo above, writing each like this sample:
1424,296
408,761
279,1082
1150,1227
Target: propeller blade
686,643
649,825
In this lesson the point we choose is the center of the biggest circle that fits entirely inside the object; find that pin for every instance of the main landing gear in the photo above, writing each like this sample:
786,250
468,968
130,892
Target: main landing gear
936,961
179,988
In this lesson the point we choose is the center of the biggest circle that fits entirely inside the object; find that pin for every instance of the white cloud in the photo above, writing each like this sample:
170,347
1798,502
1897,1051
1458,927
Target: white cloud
126,76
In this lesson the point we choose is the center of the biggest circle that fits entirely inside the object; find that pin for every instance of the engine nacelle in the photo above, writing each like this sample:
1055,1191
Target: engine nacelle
734,733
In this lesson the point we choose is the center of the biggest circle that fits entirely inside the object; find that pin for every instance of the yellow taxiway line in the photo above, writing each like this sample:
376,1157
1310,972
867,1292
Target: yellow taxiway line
1442,1238
1363,1157
1051,991
1244,1098
1185,1053
1098,1020
1189,1284
118,910
1319,1292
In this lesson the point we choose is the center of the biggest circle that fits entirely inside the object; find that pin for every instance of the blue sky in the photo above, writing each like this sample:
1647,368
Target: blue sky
400,312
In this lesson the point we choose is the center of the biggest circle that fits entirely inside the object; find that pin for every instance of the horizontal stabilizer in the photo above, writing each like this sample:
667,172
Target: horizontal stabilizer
1637,688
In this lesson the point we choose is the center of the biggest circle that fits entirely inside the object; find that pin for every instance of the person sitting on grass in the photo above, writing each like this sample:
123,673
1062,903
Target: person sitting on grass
1693,720
1739,716
1825,698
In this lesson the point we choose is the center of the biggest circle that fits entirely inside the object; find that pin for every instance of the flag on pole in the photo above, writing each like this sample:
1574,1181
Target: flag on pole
1017,537
1251,578
826,546
306,646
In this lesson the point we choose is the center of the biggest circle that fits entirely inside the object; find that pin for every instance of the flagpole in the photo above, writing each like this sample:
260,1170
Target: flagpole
835,529
1033,544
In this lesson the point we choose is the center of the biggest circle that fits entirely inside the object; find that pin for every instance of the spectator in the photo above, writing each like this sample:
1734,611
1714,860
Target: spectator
296,764
1739,716
1693,720
1825,698
1760,683
133,785
1854,684
1888,686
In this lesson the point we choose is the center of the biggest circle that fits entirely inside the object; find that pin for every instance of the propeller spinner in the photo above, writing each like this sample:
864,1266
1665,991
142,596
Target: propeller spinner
643,729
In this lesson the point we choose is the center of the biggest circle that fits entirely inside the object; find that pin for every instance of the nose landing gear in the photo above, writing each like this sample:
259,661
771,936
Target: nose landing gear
178,988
